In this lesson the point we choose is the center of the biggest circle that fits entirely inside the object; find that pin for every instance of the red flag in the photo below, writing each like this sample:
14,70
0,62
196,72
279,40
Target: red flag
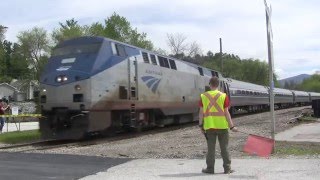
258,145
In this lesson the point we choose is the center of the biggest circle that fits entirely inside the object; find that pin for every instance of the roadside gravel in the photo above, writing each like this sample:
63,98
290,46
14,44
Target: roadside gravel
186,142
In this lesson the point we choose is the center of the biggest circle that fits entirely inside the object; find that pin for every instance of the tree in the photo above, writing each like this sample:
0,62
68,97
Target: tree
119,28
161,51
69,29
177,43
248,70
35,47
19,64
311,84
2,32
194,49
181,49
7,56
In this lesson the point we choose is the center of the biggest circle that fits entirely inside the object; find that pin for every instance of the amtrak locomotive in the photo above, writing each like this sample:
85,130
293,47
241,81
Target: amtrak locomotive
99,85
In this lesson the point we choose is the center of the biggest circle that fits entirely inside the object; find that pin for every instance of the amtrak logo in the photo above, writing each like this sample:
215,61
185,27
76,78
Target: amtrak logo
151,82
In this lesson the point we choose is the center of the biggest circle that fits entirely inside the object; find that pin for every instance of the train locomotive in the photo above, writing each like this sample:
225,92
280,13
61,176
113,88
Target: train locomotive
99,85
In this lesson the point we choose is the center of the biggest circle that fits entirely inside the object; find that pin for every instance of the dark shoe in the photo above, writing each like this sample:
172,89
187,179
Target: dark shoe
207,171
229,171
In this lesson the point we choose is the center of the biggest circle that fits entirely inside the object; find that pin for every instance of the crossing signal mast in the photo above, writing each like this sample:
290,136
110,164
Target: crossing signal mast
271,67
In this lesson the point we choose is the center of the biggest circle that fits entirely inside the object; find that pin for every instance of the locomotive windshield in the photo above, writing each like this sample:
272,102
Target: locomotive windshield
76,49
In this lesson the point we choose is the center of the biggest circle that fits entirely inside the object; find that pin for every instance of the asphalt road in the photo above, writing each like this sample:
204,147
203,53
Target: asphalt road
52,166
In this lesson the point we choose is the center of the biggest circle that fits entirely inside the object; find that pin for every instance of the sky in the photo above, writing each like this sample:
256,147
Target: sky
240,23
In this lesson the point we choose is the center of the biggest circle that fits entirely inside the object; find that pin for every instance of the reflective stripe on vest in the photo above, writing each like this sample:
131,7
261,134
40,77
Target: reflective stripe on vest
213,112
213,103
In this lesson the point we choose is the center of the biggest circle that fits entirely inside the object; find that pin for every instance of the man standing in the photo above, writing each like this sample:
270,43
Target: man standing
214,121
3,107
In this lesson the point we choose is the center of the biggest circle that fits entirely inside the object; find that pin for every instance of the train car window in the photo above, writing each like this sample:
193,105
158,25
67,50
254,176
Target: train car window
251,93
145,57
172,64
217,74
76,49
238,91
161,63
243,92
120,50
213,74
166,63
200,71
123,94
77,97
153,59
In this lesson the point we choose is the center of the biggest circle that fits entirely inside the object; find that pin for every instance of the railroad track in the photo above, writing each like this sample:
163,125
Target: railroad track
53,144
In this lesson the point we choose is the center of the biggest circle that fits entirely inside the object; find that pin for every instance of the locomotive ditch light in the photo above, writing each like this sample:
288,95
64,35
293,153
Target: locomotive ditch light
44,90
77,87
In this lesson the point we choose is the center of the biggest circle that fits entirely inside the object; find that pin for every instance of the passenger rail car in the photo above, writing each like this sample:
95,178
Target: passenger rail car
248,96
283,98
314,96
301,97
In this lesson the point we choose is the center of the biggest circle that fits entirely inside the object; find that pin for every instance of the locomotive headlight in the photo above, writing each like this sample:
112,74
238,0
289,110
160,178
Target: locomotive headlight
77,87
44,90
59,79
65,78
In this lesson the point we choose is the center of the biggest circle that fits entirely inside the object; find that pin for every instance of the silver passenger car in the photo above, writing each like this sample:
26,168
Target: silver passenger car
283,97
247,94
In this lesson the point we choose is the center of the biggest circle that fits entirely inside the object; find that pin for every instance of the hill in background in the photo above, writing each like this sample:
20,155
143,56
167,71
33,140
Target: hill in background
295,80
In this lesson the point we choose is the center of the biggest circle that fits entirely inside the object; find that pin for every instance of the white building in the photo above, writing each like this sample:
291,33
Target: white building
26,86
10,92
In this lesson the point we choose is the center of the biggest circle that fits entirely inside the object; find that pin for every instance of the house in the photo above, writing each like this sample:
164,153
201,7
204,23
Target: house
29,88
10,92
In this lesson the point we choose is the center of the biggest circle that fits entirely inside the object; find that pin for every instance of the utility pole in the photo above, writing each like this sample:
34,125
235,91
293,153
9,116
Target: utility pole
271,67
221,59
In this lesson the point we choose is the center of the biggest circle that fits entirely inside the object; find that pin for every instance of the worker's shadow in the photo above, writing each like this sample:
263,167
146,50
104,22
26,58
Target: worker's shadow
185,175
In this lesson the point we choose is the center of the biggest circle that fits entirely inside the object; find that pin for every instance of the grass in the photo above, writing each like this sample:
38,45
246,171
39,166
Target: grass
297,148
20,137
308,119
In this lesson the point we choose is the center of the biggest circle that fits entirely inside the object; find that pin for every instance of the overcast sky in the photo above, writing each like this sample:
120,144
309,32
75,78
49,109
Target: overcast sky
240,23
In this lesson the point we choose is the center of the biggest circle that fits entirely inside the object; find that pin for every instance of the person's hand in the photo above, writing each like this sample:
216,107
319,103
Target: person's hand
234,129
202,130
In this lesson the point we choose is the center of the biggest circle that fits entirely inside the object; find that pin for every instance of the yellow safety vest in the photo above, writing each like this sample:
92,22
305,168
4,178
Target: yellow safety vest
213,110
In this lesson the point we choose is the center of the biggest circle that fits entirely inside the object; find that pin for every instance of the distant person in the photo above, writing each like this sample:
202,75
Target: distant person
214,121
3,108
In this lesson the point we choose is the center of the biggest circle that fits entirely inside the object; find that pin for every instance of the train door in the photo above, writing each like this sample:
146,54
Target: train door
226,89
133,90
133,79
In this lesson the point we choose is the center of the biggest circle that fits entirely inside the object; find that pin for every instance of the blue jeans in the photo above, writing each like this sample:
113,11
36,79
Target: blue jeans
1,123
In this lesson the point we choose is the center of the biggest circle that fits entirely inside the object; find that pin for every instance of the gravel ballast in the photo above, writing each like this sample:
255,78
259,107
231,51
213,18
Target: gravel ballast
186,142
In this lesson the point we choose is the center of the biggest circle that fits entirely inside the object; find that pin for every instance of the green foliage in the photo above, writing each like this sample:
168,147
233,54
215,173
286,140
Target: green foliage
19,64
2,32
119,28
70,29
249,70
297,148
311,84
115,27
20,136
35,47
